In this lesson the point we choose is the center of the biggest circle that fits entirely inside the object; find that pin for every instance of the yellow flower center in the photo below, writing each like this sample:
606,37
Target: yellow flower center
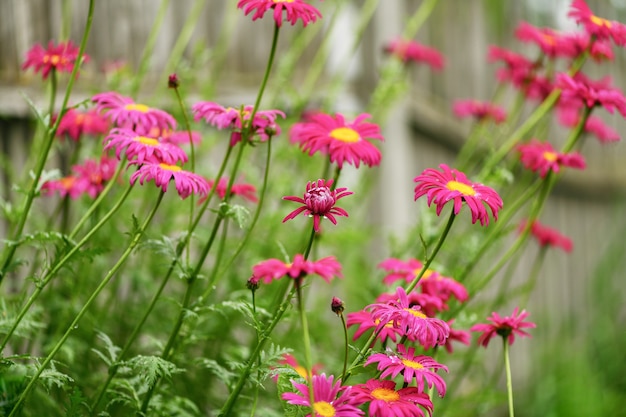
137,107
416,313
54,59
173,168
283,1
345,134
464,189
324,409
301,371
67,182
598,21
147,141
548,39
385,394
412,364
550,156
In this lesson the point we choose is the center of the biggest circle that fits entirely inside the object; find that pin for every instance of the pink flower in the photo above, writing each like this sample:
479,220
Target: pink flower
385,401
319,201
411,366
410,320
178,137
452,185
541,157
461,336
140,149
60,58
365,322
547,236
272,269
186,182
125,113
75,124
507,327
246,191
551,42
591,93
410,50
88,178
603,132
300,370
521,72
344,142
329,398
479,110
428,304
294,10
596,26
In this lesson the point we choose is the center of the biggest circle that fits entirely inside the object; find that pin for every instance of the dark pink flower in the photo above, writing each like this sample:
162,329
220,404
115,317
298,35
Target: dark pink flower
461,336
428,304
246,191
507,327
75,123
87,178
551,42
329,398
411,366
291,360
596,26
365,322
385,401
294,10
337,306
60,58
140,149
591,93
452,185
273,269
547,236
541,157
412,51
480,110
319,202
186,182
569,116
342,141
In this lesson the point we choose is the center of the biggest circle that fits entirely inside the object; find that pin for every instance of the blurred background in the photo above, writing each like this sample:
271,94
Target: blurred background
574,365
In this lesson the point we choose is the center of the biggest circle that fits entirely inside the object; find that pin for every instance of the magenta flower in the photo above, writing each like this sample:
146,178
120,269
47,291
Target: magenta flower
140,149
411,366
272,269
246,191
385,401
330,399
461,336
452,185
541,157
125,113
551,42
178,137
365,321
186,182
291,361
412,51
294,10
75,123
596,26
581,89
60,58
88,178
342,141
547,236
507,327
414,324
479,110
569,116
319,202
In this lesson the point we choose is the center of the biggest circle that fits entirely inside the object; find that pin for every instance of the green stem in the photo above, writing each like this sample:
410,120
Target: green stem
534,274
507,368
136,238
309,246
346,346
266,76
306,340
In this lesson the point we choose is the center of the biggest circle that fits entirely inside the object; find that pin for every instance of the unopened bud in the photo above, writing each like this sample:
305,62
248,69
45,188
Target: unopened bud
337,306
173,81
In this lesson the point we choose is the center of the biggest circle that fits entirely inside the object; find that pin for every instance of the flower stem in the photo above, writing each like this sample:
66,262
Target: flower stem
507,368
135,240
306,339
346,346
266,76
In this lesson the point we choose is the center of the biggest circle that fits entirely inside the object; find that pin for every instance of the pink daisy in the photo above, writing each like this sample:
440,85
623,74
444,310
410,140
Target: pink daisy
175,137
507,327
186,182
547,236
88,178
365,322
517,68
410,50
319,202
246,191
591,93
60,58
291,361
272,269
65,186
428,331
541,157
140,149
385,401
294,10
598,50
344,142
461,336
75,123
428,304
569,115
551,42
452,185
411,366
479,110
330,399
596,26
124,112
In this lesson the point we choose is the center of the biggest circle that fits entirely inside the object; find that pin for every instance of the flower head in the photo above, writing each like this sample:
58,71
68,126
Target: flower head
411,366
541,157
291,361
337,306
87,178
452,185
507,327
461,336
246,191
294,10
479,110
319,202
186,182
412,51
385,401
140,148
60,58
547,236
596,26
365,321
330,399
75,123
125,113
342,141
551,42
272,269
583,90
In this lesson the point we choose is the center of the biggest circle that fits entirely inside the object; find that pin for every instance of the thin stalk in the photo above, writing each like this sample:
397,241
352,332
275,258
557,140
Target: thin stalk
346,346
136,238
534,274
306,339
507,368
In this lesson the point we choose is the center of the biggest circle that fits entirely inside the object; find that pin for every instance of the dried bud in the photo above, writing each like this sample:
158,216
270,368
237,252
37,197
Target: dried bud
337,306
173,81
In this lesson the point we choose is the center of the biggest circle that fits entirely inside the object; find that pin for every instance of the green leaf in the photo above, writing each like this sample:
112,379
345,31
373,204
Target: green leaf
112,350
79,404
150,369
51,377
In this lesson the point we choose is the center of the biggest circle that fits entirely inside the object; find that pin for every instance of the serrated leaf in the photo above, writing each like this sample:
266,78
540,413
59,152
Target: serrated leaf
151,368
240,214
79,405
51,376
111,349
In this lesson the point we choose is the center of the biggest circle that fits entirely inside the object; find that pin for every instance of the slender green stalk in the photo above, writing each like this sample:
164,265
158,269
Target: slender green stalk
266,76
306,340
346,346
534,274
507,368
135,240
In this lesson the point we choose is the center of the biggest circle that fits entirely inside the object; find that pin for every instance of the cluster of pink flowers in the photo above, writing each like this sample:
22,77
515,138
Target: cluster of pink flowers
272,269
87,178
61,57
75,123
